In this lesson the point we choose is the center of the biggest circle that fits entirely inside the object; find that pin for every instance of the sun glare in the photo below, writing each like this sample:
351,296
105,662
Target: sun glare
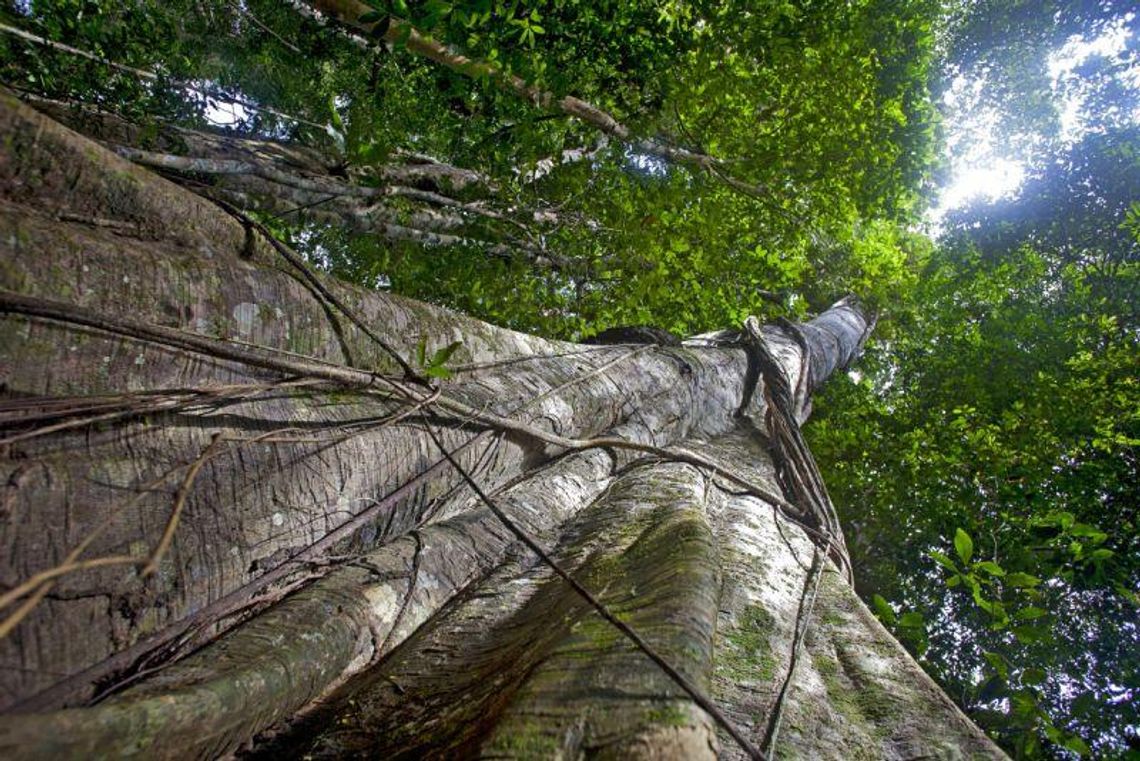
988,165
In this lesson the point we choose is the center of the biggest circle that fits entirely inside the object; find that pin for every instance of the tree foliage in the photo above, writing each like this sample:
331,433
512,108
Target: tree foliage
988,456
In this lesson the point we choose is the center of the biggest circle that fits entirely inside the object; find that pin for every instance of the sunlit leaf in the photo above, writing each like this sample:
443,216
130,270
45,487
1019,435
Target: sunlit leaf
963,545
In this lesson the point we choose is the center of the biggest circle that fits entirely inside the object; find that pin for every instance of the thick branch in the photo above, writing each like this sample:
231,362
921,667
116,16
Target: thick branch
285,179
114,131
339,202
547,165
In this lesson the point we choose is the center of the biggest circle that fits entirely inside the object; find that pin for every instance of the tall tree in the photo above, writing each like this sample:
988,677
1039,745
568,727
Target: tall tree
233,500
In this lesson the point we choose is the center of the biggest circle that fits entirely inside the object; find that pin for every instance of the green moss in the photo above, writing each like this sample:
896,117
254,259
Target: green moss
841,700
679,545
833,618
748,654
126,176
527,740
672,715
266,312
12,277
595,635
862,702
845,702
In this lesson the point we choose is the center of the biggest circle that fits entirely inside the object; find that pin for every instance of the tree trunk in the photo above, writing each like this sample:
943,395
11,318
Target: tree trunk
237,529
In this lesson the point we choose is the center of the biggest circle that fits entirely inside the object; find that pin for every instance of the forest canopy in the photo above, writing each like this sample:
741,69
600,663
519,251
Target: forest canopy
567,166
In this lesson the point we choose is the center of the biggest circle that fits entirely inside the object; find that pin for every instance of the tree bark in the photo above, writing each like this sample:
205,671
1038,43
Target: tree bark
334,586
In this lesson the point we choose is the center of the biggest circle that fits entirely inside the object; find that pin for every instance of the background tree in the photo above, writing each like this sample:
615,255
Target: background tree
808,129
1005,408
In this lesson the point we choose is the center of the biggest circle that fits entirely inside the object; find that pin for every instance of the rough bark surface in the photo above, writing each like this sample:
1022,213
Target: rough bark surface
333,587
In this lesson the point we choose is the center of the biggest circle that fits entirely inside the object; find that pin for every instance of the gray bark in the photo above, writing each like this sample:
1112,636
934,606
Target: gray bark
333,587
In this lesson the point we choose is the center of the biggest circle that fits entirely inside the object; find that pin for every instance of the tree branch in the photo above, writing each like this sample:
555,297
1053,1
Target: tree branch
243,11
152,76
399,32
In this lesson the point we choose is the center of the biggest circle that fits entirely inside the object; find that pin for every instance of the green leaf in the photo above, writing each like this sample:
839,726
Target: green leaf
1027,635
1077,745
992,688
1025,705
944,560
1127,594
998,663
964,545
1030,613
371,17
990,567
421,352
993,607
1022,580
1059,518
911,620
883,610
1033,676
334,116
440,357
1095,535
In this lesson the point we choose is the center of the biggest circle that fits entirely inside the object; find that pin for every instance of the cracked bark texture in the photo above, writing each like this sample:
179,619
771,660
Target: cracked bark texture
340,596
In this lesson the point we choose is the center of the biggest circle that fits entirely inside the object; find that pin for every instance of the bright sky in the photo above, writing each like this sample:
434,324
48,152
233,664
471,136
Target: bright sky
992,166
1112,44
225,114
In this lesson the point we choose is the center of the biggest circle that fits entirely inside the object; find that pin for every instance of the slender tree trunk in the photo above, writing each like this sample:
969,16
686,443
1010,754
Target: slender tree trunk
229,520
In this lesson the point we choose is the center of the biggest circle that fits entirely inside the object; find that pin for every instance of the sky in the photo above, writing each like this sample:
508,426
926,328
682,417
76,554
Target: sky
225,114
989,165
